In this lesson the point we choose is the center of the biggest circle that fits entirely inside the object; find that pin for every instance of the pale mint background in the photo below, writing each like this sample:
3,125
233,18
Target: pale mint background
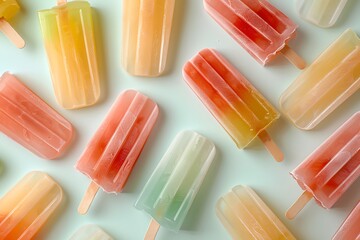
180,109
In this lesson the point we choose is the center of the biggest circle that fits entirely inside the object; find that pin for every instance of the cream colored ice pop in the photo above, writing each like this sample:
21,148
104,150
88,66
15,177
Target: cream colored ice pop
247,217
8,9
146,28
325,84
28,206
69,41
323,13
90,232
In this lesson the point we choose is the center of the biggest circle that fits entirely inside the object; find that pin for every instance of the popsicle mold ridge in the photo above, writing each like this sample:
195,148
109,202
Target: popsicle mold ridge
28,120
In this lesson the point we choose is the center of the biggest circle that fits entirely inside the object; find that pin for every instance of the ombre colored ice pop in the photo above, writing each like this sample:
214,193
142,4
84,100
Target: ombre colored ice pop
90,232
26,208
146,28
323,13
171,189
68,35
111,154
350,229
243,112
246,216
8,9
260,28
331,79
28,120
331,169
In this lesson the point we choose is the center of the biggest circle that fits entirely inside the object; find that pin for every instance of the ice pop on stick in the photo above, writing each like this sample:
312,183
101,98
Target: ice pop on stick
114,149
233,101
323,13
172,187
325,84
28,120
68,36
246,216
90,232
331,169
8,9
350,229
257,26
28,206
146,28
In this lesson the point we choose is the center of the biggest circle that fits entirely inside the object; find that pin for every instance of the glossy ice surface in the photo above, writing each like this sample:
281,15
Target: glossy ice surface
90,232
146,28
28,120
28,205
327,83
323,13
247,217
8,8
114,149
70,45
256,25
233,101
331,169
172,187
350,229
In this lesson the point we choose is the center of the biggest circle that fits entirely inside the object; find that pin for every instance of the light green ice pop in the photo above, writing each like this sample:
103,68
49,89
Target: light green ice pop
90,232
171,189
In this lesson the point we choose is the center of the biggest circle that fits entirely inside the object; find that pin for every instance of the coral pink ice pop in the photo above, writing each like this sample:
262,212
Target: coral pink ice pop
350,229
331,169
114,149
257,26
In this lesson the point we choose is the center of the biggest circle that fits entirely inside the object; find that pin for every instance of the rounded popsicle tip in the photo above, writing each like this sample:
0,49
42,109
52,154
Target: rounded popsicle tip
299,204
20,43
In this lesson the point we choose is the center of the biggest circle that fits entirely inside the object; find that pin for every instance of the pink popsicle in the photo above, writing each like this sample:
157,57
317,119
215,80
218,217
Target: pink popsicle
350,229
331,169
28,120
257,26
114,149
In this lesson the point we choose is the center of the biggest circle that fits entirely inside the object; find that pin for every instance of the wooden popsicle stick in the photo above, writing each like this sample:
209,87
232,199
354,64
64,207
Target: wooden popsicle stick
298,205
11,34
271,146
152,230
88,198
61,2
293,57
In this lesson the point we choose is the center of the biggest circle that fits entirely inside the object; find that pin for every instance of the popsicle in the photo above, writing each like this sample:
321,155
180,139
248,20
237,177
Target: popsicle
246,216
325,84
232,100
113,151
261,29
28,120
350,230
26,208
173,185
68,36
331,169
146,28
91,232
8,9
323,13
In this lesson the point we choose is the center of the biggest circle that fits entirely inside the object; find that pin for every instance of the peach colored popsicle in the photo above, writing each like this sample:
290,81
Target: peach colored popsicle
350,229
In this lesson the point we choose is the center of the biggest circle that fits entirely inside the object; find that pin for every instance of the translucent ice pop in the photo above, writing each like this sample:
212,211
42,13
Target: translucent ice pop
331,169
28,120
246,216
146,28
235,103
350,229
70,45
172,187
91,232
114,149
327,83
323,13
257,26
8,9
28,206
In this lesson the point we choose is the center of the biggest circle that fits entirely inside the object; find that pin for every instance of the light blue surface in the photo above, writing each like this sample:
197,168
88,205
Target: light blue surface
180,109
